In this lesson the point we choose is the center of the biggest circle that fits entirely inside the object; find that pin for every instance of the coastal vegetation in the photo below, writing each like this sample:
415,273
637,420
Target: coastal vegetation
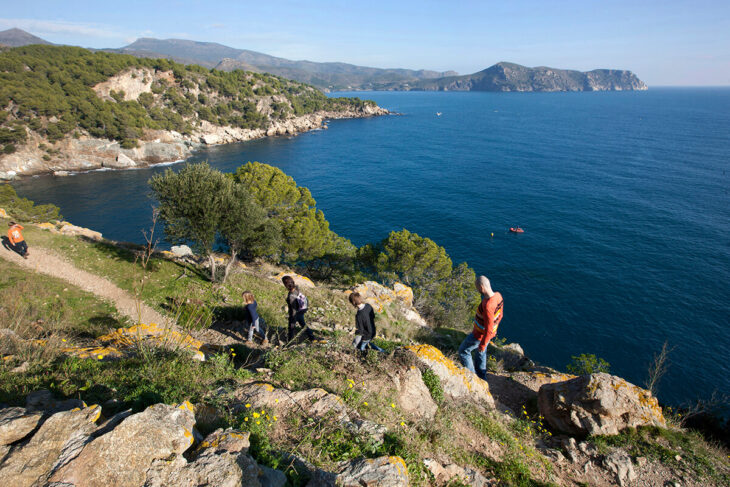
50,90
260,212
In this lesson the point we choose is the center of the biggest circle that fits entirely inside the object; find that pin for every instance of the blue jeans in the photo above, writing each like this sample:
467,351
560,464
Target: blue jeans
259,326
363,345
470,344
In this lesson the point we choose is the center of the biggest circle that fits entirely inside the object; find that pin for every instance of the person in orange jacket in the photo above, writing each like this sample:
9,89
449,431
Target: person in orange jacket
17,242
486,322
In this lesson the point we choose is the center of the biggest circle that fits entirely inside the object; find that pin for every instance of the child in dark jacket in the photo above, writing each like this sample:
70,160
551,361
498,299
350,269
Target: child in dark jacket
364,324
296,312
256,322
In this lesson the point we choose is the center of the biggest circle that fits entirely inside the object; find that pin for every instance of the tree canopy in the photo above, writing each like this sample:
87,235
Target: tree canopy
305,233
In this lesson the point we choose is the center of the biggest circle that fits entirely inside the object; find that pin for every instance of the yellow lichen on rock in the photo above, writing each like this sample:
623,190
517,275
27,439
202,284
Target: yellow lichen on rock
399,463
457,381
99,353
3,213
301,281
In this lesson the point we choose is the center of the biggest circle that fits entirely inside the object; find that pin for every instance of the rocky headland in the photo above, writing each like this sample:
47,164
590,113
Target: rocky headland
514,77
87,153
148,112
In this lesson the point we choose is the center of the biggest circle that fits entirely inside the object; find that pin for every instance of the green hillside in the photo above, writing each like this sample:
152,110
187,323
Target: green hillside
50,90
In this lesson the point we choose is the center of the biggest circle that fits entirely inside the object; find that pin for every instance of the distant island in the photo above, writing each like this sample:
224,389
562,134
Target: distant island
335,76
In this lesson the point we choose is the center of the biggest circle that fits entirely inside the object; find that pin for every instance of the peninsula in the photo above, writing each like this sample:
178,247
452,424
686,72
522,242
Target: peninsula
71,109
514,77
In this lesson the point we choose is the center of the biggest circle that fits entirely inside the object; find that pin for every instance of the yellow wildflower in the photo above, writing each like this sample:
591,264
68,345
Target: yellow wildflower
248,405
100,357
255,414
246,418
365,403
392,404
258,422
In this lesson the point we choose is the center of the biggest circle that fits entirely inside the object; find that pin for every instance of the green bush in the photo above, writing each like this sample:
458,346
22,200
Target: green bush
23,209
585,364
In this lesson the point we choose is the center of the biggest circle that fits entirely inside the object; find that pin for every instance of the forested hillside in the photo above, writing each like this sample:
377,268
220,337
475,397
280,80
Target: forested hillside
57,91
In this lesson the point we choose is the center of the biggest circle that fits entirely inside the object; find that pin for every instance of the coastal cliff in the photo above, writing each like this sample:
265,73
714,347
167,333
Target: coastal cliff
61,110
514,77
87,153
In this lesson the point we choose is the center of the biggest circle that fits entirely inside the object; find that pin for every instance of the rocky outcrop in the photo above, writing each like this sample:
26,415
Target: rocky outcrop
597,404
78,448
123,456
60,435
87,153
458,383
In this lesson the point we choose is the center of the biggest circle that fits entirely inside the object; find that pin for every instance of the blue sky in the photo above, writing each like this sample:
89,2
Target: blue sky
663,42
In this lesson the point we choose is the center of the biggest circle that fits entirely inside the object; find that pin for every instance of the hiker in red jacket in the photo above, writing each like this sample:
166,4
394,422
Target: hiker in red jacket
17,242
486,322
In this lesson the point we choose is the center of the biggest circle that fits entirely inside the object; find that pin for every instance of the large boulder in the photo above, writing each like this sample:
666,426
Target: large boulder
220,460
413,395
458,383
123,456
597,404
17,423
32,463
181,251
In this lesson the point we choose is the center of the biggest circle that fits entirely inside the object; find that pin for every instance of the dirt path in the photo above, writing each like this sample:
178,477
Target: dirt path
47,262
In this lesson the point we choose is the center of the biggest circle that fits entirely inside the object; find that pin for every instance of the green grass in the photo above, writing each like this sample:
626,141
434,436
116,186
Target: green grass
53,304
136,382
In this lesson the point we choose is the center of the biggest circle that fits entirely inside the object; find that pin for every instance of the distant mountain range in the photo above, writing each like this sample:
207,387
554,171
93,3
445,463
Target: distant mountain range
502,76
514,77
331,76
18,37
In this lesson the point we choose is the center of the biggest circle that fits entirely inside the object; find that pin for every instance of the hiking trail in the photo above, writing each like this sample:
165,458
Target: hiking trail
47,262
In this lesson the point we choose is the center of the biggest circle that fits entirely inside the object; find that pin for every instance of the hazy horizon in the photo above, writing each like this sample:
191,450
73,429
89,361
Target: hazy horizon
673,43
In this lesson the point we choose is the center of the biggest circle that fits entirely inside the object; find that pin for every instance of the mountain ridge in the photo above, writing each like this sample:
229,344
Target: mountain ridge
506,76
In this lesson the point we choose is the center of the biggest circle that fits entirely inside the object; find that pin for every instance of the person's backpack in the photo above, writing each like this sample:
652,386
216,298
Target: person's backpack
302,302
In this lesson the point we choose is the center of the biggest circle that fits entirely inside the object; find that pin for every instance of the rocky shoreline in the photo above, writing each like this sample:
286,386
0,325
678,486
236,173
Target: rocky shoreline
86,153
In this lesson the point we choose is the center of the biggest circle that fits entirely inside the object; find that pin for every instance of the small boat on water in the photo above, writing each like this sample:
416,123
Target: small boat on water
438,114
516,230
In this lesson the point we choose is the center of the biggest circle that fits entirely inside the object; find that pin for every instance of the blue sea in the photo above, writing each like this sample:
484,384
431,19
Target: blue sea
623,197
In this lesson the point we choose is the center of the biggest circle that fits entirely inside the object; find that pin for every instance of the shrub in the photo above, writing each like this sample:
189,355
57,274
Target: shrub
585,364
24,209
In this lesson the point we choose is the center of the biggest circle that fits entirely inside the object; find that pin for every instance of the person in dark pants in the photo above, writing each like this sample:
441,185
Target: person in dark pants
297,305
364,324
16,242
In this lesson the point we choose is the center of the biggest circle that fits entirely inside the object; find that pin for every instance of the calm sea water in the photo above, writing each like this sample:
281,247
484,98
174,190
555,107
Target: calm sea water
623,196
